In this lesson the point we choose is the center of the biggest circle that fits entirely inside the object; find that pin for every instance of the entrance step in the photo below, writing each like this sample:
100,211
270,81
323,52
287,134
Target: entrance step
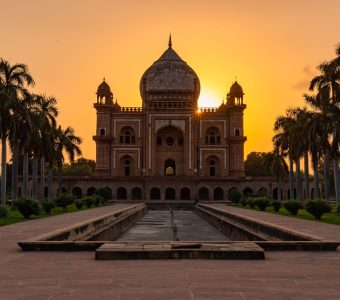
179,250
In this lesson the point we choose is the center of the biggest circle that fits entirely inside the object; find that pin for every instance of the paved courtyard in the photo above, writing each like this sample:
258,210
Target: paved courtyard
76,275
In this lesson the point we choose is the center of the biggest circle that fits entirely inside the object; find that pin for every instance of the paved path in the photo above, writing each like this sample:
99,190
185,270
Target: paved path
318,229
76,275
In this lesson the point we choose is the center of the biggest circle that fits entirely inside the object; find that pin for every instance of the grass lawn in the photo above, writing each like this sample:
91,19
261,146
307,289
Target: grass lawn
15,217
333,217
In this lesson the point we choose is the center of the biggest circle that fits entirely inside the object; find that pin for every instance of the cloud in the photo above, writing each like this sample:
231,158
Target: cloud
303,83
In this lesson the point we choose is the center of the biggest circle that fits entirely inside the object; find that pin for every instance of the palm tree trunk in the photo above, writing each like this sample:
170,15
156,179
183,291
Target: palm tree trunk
306,168
326,175
25,176
49,183
15,171
291,179
60,180
279,188
298,180
3,170
316,175
42,178
35,178
337,181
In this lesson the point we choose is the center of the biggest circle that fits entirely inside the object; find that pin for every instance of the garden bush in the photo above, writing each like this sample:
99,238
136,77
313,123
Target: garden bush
251,203
293,206
317,208
64,200
235,196
244,201
3,211
79,203
98,200
262,203
27,207
48,206
276,205
88,201
105,193
338,209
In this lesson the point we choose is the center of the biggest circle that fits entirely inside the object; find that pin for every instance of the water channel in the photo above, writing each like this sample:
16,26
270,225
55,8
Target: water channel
171,225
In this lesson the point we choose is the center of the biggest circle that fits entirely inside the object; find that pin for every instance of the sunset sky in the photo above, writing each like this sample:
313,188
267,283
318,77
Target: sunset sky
271,46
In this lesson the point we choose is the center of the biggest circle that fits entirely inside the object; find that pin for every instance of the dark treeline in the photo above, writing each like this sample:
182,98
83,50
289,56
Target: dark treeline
313,132
28,125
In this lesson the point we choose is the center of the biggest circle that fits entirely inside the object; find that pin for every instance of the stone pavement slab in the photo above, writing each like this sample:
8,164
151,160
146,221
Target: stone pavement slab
317,229
77,275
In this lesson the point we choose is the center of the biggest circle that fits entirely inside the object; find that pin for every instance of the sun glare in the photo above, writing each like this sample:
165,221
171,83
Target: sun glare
208,99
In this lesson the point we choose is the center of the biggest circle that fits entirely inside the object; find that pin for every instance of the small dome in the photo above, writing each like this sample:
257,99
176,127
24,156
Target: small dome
170,74
236,90
103,88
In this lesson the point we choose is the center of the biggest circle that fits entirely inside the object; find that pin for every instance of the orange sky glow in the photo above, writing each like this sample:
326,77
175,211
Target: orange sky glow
271,46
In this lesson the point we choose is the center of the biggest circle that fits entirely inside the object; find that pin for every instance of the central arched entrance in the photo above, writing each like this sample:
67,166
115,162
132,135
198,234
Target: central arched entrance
170,194
169,148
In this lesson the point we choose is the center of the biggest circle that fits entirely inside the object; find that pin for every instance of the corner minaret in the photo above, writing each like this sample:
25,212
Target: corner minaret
103,137
235,108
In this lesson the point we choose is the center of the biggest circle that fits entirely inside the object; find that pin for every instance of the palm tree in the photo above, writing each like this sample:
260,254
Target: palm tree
46,111
275,164
328,85
68,142
289,136
13,82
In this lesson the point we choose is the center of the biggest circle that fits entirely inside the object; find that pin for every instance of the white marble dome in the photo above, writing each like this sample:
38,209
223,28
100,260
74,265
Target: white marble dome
170,74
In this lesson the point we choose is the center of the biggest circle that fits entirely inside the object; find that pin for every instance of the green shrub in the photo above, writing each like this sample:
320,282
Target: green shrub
98,200
48,206
105,193
276,205
64,200
317,208
262,203
235,196
27,207
293,206
88,201
251,203
244,201
3,211
79,203
338,209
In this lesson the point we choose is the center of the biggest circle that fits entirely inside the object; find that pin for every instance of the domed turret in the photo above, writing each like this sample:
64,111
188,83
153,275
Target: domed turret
235,93
169,78
104,94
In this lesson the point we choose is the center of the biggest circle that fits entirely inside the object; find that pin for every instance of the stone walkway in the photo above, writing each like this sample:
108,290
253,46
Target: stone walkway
318,229
76,275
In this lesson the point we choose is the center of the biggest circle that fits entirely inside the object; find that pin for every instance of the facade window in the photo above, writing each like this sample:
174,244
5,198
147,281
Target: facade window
213,137
102,132
127,136
127,168
212,168
169,167
170,141
237,132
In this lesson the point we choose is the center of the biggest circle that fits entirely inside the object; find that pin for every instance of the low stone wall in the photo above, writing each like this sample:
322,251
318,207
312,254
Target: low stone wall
240,228
106,227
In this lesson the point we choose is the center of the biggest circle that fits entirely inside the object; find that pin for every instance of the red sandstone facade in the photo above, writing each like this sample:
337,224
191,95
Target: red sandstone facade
169,147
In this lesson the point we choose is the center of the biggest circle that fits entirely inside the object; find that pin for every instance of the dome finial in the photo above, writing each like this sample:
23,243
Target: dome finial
170,42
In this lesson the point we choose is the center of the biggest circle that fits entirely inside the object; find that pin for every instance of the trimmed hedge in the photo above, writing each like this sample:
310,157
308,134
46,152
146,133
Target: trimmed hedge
27,207
3,211
64,200
48,206
235,196
317,208
276,205
105,193
262,203
293,206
